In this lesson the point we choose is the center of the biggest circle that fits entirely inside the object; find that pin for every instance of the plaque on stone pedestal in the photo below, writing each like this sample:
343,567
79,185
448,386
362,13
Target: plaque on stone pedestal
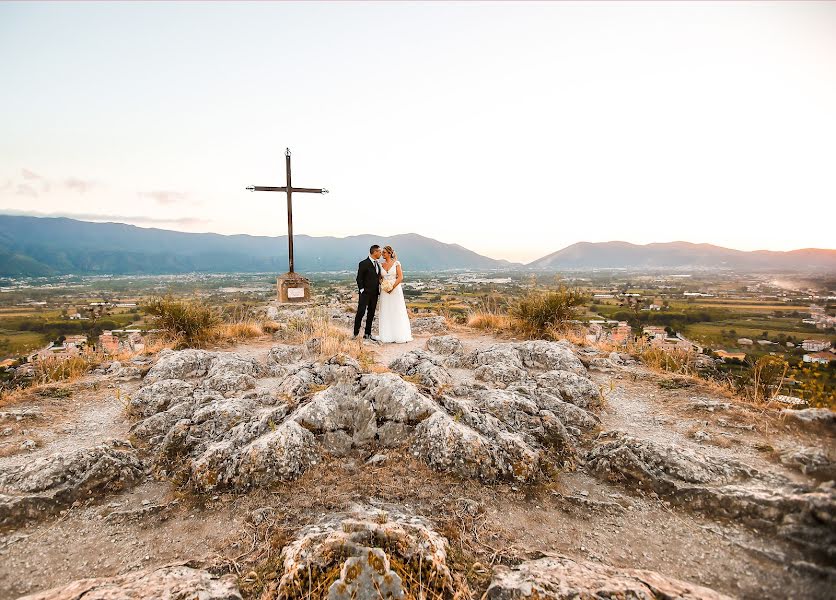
292,287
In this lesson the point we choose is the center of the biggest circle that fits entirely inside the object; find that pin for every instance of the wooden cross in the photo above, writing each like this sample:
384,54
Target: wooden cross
289,189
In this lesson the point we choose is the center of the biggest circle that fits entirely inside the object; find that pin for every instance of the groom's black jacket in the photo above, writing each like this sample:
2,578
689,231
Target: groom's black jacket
367,278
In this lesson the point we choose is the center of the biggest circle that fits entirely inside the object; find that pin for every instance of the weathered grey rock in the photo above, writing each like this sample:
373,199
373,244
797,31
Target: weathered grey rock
429,325
574,388
425,367
663,468
605,365
240,425
503,364
48,484
722,488
550,356
561,578
272,313
445,345
180,364
811,416
808,460
284,354
159,395
167,582
351,557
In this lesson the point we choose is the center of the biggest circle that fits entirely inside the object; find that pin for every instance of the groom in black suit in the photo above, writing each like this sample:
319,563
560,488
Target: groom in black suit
368,282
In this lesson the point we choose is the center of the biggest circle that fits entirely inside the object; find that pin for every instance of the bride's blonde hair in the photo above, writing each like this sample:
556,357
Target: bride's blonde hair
391,252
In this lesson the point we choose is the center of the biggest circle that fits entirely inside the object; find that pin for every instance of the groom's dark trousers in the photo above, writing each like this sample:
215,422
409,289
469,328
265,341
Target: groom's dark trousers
368,284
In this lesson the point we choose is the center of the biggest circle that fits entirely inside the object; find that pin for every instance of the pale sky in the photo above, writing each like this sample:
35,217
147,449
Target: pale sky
512,129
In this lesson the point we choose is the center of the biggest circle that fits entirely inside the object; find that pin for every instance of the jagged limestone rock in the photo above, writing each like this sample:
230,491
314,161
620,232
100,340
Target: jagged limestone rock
445,345
284,354
48,484
276,428
723,488
562,578
428,325
368,553
167,582
425,367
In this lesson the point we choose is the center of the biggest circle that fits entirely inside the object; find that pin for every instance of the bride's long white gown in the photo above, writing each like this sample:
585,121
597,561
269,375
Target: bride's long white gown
394,321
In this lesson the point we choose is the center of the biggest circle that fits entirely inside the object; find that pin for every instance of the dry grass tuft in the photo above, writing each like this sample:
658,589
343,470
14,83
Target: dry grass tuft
323,338
539,314
233,332
49,370
187,324
489,321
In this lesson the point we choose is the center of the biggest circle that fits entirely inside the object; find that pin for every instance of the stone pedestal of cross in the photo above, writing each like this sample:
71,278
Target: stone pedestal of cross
291,287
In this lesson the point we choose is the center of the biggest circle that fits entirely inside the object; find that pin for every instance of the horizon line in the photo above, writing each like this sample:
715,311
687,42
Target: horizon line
37,215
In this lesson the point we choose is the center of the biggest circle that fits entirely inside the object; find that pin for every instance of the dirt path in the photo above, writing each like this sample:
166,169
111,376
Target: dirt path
576,514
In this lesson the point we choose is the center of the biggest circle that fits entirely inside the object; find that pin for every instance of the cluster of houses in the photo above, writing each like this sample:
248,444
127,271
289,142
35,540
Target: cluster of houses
819,352
609,330
109,342
820,318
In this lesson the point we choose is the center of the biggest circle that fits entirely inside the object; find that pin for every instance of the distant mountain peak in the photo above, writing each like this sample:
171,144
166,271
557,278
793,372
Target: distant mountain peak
681,255
37,246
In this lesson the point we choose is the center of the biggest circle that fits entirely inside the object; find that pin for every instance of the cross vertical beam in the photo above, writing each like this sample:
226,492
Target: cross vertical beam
289,212
289,189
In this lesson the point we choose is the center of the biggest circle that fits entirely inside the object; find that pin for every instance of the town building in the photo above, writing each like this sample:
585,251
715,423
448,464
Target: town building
621,333
819,358
741,356
815,345
108,342
654,331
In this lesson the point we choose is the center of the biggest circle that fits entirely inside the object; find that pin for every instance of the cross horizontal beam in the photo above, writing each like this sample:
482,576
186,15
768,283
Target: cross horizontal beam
268,188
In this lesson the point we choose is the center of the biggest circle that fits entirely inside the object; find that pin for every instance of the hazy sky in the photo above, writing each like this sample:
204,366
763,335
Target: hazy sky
512,129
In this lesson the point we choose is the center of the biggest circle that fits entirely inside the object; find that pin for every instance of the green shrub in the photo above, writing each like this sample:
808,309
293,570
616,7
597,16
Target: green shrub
539,314
191,324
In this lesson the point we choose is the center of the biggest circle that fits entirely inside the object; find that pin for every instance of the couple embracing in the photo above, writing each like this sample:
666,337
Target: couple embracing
379,279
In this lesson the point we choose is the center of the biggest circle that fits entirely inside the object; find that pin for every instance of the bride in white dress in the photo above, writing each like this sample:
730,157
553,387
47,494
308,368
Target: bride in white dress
394,321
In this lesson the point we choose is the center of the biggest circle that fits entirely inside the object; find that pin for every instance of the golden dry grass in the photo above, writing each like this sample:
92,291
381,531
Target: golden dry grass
323,338
54,369
489,321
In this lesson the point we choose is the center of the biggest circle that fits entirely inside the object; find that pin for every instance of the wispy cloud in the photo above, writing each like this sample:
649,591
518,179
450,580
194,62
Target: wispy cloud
24,189
164,196
130,219
81,186
32,177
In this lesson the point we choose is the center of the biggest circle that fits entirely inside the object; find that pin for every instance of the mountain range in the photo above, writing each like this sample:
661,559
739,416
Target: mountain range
683,255
40,246
43,246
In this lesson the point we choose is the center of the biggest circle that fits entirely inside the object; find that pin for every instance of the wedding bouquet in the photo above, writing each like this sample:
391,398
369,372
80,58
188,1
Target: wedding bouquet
386,285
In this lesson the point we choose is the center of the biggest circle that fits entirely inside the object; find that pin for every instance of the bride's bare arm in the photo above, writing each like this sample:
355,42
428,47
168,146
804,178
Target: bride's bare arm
399,277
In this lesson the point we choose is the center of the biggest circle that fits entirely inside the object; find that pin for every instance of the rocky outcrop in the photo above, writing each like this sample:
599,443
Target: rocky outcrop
46,485
232,423
428,325
172,581
562,578
368,553
722,487
425,367
554,364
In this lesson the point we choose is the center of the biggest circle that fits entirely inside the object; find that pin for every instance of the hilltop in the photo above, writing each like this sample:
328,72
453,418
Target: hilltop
457,466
